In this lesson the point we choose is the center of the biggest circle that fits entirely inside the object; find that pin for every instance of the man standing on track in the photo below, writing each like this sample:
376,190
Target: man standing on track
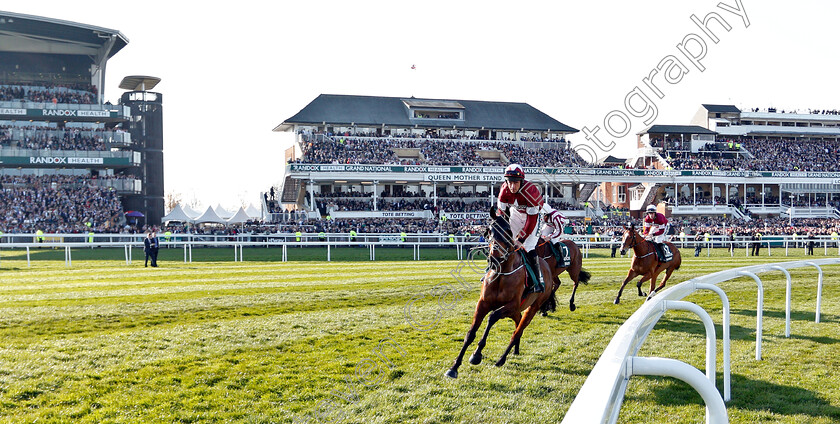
521,202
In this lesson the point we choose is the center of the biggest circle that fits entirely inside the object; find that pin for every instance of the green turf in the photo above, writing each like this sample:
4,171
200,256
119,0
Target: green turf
265,341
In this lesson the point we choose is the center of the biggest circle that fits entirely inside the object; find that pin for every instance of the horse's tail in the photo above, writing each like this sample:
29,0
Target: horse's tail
550,304
584,276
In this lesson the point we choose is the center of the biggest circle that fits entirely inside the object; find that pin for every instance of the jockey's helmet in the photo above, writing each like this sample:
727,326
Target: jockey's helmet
514,172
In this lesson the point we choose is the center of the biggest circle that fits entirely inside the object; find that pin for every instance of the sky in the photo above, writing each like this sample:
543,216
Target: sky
231,72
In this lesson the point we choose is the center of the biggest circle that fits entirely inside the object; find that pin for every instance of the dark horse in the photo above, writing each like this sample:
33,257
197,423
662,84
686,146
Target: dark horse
575,270
646,263
502,294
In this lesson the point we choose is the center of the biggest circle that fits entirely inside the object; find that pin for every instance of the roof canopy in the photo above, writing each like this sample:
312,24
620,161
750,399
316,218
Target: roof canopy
677,129
345,110
722,108
139,83
35,34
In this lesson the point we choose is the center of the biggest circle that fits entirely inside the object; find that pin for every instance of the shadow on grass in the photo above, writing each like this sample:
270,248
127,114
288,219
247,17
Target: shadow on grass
752,395
780,313
691,325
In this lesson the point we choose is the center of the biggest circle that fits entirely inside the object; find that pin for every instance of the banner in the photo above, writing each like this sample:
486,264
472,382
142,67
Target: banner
61,113
381,214
458,216
494,174
42,161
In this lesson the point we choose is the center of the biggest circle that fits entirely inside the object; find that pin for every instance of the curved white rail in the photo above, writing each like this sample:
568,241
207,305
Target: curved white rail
600,398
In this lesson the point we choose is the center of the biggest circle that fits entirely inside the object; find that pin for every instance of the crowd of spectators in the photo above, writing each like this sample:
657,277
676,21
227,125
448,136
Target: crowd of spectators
51,138
57,204
49,93
789,155
376,151
760,155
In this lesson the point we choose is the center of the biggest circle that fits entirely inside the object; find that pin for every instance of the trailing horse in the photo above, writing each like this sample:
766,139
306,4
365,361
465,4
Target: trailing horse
502,294
575,270
646,262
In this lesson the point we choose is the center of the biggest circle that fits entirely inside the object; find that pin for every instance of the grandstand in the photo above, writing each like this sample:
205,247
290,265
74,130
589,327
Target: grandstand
363,157
381,158
70,161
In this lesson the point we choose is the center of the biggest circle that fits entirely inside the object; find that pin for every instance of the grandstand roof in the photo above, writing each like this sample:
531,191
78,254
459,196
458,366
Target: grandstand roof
788,116
35,34
676,129
722,108
613,159
777,130
337,109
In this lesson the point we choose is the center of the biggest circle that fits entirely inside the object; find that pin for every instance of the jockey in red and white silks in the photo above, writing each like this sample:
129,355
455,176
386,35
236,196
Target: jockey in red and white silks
553,224
525,201
655,226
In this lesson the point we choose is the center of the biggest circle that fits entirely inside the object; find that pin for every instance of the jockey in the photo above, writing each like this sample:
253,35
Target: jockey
656,225
553,224
656,230
524,201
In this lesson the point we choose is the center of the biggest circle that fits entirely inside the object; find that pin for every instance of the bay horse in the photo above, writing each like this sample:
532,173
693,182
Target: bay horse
502,294
575,269
646,262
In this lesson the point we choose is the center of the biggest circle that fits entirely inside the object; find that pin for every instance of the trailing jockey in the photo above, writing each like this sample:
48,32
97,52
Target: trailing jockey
521,201
656,230
553,224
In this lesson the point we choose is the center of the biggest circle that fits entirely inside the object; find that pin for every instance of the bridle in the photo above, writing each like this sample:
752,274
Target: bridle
632,235
491,260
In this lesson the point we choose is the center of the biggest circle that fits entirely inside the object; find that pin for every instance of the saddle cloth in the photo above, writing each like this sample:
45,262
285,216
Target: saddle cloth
564,258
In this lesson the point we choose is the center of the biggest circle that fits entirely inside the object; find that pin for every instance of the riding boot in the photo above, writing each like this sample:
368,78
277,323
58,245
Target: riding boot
539,285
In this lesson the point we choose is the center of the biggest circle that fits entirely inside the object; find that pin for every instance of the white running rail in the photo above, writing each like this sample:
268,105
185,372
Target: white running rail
600,398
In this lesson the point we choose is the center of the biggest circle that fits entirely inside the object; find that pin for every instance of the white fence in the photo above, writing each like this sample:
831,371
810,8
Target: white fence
600,398
370,241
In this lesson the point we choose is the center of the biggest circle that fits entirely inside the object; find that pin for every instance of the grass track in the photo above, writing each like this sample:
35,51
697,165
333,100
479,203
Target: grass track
262,342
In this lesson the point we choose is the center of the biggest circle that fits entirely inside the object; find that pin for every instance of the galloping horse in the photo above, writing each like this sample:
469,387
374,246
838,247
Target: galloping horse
501,292
575,269
646,263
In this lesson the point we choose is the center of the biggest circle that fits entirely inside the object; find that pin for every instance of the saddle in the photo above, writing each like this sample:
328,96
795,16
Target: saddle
663,252
564,258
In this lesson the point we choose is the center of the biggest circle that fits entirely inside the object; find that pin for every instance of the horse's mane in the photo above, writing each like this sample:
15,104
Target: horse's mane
500,229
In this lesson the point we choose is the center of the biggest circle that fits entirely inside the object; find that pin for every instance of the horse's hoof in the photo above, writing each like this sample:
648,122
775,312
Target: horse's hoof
501,362
617,300
451,373
642,294
476,359
572,306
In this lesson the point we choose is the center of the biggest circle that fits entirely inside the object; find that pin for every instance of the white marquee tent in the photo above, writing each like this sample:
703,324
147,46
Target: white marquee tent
240,217
210,216
191,212
253,212
222,212
177,214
